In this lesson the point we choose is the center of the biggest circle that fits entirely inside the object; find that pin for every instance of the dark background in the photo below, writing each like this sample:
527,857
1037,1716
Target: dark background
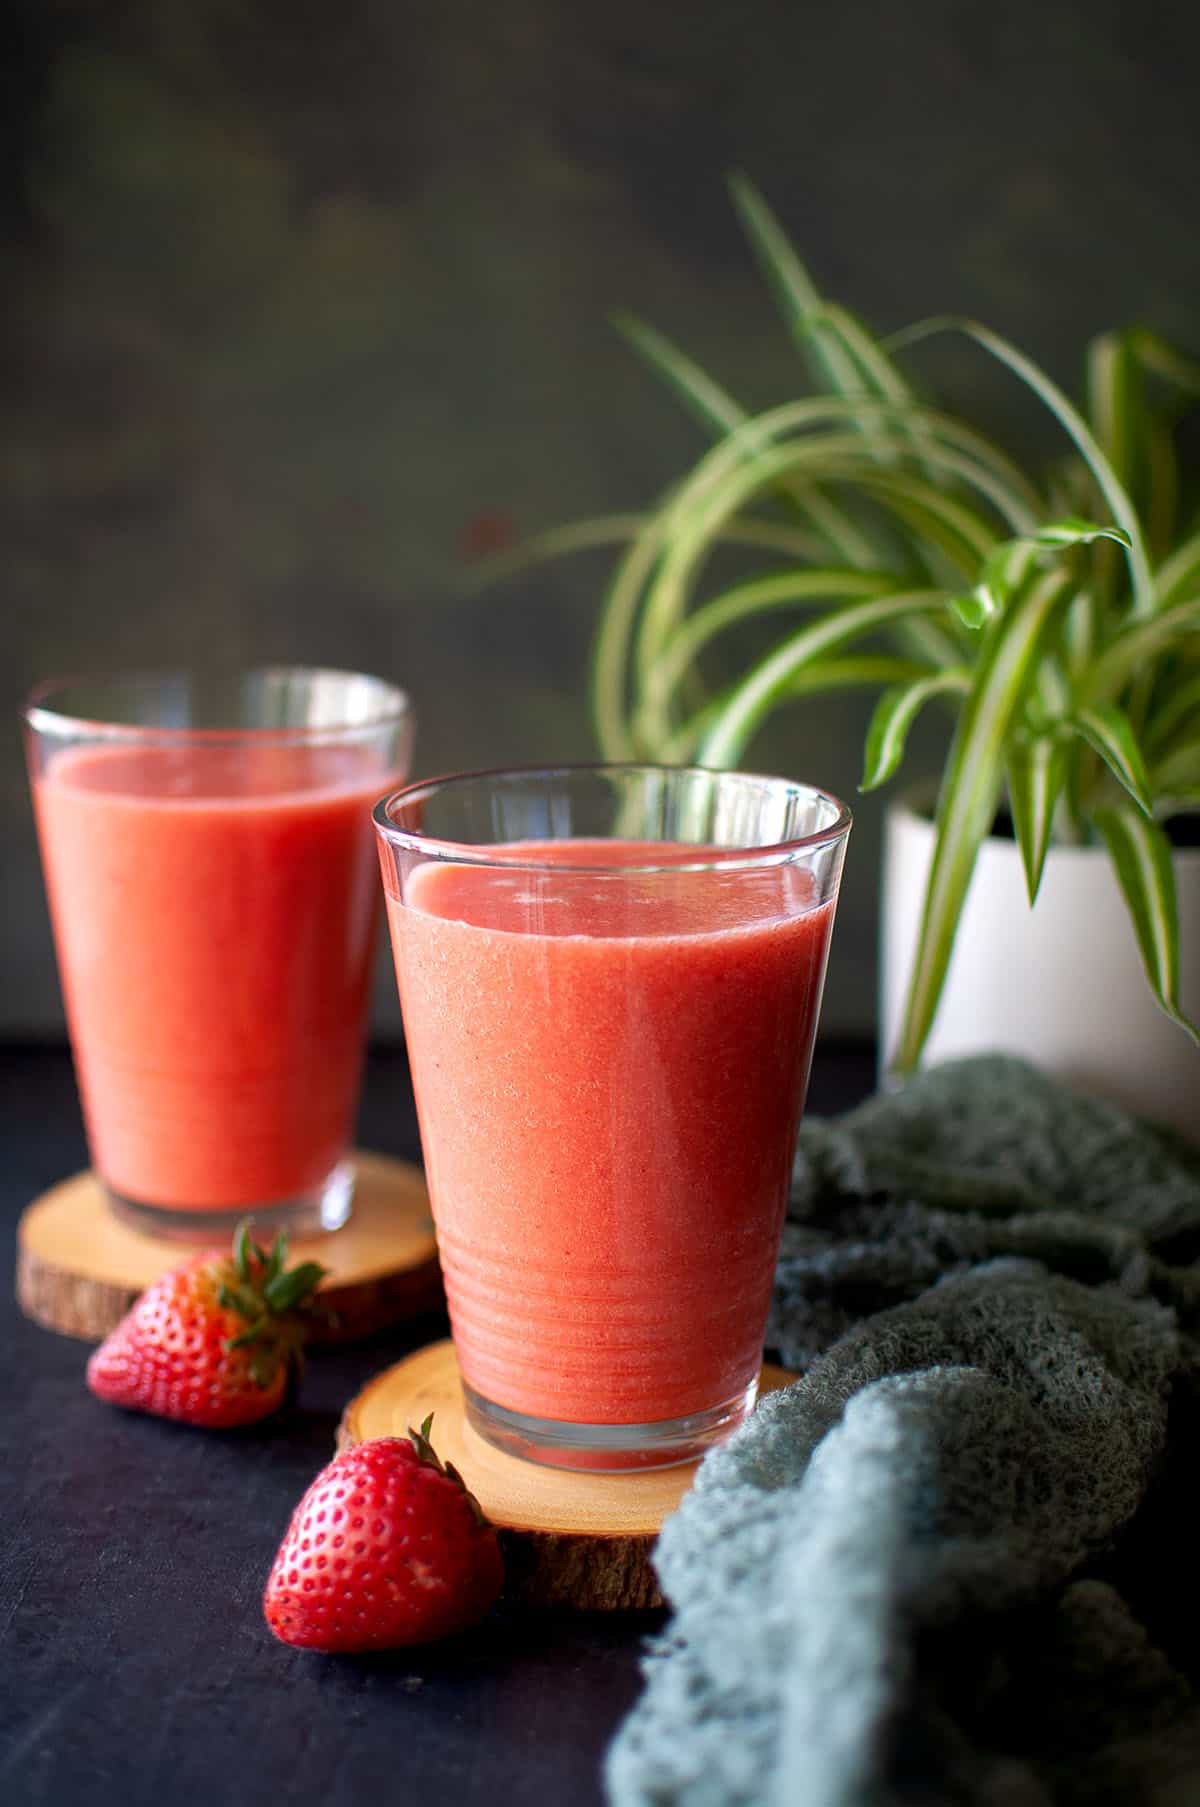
309,306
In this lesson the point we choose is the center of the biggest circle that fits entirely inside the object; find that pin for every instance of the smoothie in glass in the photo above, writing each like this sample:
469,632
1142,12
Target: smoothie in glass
610,1042
213,902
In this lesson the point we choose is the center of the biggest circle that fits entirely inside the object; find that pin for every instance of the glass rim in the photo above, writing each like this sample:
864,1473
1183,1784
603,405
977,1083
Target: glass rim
499,853
40,718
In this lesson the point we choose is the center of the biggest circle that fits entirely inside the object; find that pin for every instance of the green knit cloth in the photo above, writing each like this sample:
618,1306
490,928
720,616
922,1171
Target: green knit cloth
957,1561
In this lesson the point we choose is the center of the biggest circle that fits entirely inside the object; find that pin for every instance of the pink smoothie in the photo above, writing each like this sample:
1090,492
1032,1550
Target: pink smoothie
213,908
609,1074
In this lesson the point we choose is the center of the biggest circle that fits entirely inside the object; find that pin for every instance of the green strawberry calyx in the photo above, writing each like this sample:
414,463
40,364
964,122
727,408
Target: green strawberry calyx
429,1456
275,1301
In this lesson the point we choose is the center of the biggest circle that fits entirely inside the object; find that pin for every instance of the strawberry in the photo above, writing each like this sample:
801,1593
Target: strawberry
386,1548
214,1342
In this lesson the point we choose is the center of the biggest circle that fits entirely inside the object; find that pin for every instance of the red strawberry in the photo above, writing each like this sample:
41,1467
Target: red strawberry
386,1548
212,1343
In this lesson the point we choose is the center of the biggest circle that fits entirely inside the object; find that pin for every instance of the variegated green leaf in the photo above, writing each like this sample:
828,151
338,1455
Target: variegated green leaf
1004,570
1113,400
857,672
974,607
961,453
754,697
722,486
864,671
961,534
1179,575
851,359
1006,567
1074,532
610,650
1114,393
1173,711
623,599
969,792
712,405
1072,422
794,290
1137,646
1079,632
1069,418
717,410
1034,770
1110,732
881,376
894,715
1141,855
784,589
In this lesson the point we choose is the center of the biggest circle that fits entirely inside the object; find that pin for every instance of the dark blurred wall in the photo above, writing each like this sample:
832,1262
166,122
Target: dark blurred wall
310,305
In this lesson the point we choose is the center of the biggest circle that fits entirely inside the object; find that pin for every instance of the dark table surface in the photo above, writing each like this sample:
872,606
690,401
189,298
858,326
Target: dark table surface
135,1667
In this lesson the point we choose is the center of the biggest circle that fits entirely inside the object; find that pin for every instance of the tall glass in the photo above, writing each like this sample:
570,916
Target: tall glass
207,849
610,979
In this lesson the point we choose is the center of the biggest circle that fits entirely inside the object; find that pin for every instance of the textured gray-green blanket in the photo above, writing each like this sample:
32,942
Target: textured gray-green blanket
959,1560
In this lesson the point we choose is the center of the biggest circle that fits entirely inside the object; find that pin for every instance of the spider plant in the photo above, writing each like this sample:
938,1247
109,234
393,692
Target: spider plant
1055,611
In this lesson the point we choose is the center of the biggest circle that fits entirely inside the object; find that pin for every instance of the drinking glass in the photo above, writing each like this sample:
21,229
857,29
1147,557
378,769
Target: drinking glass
610,979
207,849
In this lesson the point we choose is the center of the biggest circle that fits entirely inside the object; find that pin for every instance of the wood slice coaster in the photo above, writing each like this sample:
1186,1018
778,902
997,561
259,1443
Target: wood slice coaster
80,1268
569,1539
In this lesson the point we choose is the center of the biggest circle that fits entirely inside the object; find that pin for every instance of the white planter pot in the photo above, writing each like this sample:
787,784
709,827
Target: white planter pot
1061,984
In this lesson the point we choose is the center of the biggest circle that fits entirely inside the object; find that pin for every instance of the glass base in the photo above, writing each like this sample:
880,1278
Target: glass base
607,1448
327,1207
